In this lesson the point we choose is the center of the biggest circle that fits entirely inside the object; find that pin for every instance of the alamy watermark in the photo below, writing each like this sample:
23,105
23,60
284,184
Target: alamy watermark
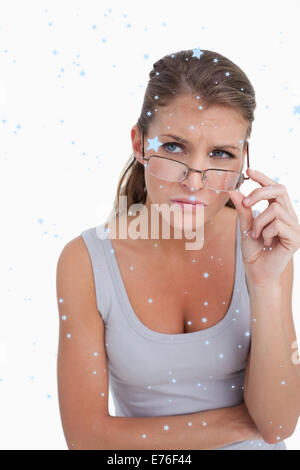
188,220
295,355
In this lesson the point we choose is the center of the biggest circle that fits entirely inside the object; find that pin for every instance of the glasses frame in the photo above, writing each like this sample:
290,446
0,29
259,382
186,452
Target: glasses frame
203,172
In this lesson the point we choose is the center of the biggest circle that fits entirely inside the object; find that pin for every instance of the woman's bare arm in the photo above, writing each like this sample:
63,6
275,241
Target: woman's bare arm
83,380
205,430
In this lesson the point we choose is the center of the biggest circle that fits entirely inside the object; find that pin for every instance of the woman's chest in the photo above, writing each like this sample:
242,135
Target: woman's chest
175,299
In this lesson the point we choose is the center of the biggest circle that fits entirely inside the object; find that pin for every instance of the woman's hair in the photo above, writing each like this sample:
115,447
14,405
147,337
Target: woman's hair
212,76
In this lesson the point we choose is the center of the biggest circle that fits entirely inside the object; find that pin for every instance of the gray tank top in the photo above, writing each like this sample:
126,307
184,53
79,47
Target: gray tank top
158,374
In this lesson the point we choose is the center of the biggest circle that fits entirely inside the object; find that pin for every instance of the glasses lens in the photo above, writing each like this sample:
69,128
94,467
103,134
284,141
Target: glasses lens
167,170
221,180
170,170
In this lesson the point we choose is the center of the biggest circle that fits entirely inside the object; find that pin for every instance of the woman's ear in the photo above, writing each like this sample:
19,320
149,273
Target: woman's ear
136,138
139,158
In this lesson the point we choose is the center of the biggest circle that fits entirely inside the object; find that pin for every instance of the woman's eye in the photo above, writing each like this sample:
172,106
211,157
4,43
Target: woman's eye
170,144
222,151
227,154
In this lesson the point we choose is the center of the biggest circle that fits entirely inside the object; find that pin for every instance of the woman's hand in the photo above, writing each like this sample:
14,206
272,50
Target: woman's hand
277,230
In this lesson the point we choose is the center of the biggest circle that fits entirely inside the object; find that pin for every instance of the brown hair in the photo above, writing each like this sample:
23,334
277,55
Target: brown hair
212,76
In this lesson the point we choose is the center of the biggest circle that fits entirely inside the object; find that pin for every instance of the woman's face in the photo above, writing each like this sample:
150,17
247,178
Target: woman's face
206,132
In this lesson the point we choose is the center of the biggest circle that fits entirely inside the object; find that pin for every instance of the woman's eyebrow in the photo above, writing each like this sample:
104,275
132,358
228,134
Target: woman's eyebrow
183,141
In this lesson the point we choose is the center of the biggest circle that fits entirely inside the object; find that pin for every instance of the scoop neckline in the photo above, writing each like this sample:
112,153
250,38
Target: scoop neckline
142,329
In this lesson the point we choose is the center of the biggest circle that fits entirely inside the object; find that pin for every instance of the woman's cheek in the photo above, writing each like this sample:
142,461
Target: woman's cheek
158,190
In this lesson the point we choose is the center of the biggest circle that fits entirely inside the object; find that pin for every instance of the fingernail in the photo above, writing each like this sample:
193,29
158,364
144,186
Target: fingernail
253,234
247,200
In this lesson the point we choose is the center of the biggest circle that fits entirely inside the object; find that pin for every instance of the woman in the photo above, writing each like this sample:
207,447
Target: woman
169,329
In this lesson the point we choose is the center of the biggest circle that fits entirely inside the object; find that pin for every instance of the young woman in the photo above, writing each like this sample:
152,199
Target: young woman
169,329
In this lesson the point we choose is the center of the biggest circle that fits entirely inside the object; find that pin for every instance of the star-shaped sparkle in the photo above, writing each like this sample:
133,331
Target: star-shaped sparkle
197,52
154,143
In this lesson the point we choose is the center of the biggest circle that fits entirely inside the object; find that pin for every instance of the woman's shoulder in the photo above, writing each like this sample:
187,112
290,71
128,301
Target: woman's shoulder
75,256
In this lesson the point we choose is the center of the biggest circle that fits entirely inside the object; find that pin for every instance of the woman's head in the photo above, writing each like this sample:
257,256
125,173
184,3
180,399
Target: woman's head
207,101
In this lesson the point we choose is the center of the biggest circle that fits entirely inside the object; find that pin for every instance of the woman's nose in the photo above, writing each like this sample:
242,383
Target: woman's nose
194,181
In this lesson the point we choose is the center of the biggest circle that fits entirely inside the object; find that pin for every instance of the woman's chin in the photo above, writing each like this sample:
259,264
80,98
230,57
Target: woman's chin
187,223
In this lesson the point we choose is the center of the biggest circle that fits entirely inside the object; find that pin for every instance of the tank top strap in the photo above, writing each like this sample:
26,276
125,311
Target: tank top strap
94,239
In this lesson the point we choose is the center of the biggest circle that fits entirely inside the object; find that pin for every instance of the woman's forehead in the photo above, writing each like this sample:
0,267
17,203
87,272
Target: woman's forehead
209,118
190,108
194,131
189,133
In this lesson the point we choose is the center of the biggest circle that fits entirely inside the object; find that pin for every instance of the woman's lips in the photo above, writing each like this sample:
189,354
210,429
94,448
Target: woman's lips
193,204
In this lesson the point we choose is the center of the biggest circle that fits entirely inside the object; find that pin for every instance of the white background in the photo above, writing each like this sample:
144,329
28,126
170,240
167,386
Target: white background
72,81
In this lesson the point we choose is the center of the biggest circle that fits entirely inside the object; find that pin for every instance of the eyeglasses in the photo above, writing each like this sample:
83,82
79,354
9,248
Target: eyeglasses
172,170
